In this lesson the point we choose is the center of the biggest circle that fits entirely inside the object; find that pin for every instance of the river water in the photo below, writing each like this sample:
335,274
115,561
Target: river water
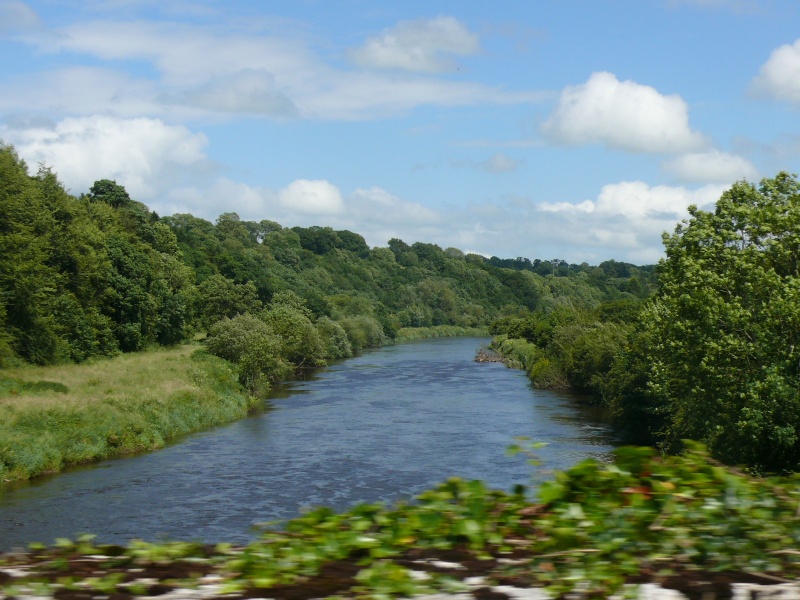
382,426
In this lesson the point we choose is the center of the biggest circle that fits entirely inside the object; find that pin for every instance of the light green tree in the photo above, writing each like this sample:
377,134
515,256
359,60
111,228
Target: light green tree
723,333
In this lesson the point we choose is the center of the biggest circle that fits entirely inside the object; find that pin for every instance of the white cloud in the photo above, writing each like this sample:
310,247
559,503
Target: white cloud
626,219
203,71
81,91
622,115
359,96
372,212
779,77
636,199
186,56
711,167
312,197
424,45
137,153
17,16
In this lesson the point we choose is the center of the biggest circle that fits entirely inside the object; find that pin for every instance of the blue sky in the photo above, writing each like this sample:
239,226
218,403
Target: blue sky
572,129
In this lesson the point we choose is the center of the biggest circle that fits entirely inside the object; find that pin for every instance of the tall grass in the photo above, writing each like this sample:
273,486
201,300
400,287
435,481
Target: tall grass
51,417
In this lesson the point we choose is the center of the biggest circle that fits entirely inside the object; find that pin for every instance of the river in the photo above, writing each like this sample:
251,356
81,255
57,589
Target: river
383,426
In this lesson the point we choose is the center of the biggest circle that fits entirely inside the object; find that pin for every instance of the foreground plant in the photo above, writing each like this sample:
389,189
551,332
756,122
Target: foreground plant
684,522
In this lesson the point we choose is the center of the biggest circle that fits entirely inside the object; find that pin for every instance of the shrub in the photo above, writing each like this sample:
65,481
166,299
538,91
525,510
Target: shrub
253,346
334,339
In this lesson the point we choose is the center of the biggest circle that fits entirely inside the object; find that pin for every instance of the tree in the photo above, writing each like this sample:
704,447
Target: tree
253,346
220,297
300,341
724,330
110,192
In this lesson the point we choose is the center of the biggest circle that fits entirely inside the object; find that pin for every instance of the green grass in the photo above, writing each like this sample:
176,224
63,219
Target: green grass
52,417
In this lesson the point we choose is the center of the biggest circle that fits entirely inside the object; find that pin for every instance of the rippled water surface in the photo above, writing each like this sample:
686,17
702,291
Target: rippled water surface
383,426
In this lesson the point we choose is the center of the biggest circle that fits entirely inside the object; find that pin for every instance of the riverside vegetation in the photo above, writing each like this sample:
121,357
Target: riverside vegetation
88,283
712,355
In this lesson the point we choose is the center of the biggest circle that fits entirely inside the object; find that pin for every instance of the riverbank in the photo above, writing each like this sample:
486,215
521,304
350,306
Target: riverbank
527,356
57,416
53,417
678,527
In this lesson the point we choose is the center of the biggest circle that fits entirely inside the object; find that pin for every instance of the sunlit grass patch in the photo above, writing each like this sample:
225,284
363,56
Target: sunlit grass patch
54,416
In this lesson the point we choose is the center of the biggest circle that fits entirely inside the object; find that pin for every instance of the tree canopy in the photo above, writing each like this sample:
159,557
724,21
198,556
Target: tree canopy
724,329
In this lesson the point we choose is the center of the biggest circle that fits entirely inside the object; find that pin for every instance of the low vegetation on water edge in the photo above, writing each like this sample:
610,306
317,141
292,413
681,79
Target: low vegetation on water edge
683,522
408,334
51,417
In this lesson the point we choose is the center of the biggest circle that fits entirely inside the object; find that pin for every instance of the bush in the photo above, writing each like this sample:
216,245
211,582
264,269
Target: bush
334,339
300,340
253,346
363,332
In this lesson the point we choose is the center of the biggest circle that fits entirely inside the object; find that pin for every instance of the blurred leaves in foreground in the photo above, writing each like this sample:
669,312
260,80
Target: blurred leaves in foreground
592,530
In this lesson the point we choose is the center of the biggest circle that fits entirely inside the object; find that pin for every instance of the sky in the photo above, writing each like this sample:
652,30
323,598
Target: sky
571,129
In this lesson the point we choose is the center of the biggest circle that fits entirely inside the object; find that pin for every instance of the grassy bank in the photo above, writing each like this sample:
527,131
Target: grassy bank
409,334
51,417
56,416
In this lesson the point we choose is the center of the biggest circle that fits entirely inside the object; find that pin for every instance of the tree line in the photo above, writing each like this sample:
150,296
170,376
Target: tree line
97,274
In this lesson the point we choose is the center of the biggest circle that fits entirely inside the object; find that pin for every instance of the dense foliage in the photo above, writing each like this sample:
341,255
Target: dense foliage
702,347
718,344
100,274
82,277
712,355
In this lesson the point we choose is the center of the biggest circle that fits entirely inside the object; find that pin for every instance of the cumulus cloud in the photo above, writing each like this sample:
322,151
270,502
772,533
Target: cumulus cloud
138,153
17,17
624,221
636,199
779,77
628,218
424,45
711,167
312,197
624,115
372,212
